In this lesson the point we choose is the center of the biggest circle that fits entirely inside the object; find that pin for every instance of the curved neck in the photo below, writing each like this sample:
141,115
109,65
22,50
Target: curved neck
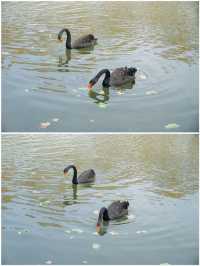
74,179
68,41
103,215
106,80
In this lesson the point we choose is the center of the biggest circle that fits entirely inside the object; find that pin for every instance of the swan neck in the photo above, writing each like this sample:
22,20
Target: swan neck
68,41
74,179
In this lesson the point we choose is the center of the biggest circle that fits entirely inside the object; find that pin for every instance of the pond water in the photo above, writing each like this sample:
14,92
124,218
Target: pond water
43,83
45,221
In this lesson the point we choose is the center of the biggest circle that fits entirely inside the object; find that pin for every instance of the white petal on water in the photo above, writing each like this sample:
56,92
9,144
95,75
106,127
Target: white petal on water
48,262
171,126
96,212
77,230
45,124
114,233
55,119
68,231
152,92
95,246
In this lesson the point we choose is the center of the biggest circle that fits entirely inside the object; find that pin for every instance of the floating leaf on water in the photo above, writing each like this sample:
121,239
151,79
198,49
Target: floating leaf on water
102,105
114,233
96,212
68,231
45,124
48,262
55,119
171,126
95,246
152,92
77,230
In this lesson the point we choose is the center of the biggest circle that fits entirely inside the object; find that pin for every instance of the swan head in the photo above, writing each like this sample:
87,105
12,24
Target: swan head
103,216
91,84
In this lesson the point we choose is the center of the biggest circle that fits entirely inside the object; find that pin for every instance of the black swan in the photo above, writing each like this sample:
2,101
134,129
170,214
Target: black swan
115,210
87,176
83,42
118,77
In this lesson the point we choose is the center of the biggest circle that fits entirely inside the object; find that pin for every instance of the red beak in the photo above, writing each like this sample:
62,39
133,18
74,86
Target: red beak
89,86
98,228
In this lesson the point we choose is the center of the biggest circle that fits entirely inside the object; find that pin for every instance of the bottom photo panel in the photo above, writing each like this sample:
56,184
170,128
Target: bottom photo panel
100,199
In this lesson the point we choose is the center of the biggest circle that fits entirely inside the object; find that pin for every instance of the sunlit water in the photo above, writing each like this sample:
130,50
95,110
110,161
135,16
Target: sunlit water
41,82
45,221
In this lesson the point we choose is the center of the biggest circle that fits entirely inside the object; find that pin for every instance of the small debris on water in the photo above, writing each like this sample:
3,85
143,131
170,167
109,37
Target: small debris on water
45,124
142,76
131,216
68,231
55,119
26,90
114,233
141,232
152,92
19,232
91,120
77,230
95,246
172,126
48,262
102,105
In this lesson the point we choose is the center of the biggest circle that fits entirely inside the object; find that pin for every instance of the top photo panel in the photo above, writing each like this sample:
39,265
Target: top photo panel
100,66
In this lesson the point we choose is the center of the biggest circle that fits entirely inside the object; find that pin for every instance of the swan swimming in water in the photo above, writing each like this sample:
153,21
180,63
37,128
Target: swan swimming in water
82,42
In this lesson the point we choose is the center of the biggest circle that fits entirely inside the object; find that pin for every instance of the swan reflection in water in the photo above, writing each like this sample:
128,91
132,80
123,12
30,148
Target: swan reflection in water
104,95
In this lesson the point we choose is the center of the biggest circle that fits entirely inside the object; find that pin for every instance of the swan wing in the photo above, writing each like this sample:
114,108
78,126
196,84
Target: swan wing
87,176
117,209
84,41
